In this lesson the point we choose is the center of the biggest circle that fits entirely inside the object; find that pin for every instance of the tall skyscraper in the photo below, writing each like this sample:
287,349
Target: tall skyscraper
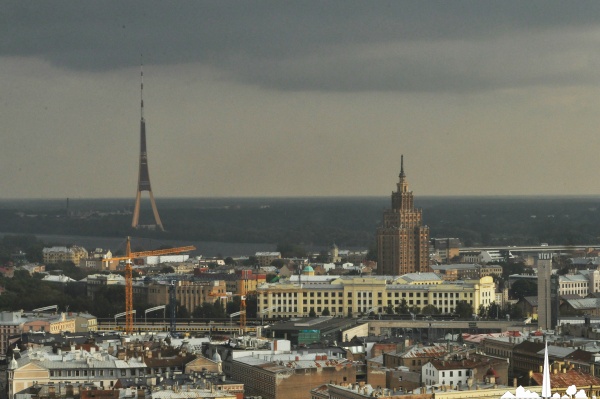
544,277
402,241
144,174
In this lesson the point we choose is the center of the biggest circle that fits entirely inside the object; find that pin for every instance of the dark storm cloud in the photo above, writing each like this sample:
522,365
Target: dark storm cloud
333,46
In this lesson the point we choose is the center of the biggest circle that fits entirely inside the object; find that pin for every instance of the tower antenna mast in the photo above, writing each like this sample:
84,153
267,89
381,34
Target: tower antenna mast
141,88
144,174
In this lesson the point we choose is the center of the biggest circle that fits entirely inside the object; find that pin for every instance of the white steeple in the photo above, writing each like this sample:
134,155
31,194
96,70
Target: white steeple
546,389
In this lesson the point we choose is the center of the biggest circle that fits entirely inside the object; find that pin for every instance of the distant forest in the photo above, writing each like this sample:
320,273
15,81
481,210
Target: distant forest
312,222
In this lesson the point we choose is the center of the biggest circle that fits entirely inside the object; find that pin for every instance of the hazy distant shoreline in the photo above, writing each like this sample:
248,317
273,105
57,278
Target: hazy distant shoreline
243,226
204,248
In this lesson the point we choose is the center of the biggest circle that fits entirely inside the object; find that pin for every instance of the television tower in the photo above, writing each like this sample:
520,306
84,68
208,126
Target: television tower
144,175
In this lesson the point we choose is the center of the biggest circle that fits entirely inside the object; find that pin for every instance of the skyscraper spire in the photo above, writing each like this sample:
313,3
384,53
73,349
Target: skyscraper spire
402,182
402,166
546,388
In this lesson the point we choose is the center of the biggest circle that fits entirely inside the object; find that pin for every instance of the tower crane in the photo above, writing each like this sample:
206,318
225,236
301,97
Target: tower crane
242,312
129,279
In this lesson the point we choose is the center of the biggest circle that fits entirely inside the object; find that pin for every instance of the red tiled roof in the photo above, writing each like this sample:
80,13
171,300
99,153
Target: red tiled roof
565,380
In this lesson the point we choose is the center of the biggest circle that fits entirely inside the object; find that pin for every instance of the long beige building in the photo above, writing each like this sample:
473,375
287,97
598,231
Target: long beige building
350,296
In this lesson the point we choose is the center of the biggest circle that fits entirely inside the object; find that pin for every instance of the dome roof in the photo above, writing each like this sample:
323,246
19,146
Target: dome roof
217,357
308,268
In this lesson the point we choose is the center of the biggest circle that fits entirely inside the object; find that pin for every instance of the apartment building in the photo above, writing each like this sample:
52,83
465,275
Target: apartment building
460,372
444,250
265,258
64,254
95,281
415,357
291,375
11,323
43,366
49,323
187,293
460,271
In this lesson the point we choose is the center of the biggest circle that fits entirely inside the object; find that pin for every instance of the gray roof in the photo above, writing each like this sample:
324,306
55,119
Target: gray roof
573,277
79,359
459,266
585,261
284,362
185,393
557,351
584,303
420,277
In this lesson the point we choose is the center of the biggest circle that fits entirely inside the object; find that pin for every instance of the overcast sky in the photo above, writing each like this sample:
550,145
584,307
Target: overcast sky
303,98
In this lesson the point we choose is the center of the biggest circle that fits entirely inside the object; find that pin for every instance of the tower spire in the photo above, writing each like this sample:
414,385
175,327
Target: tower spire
141,88
546,388
144,175
402,166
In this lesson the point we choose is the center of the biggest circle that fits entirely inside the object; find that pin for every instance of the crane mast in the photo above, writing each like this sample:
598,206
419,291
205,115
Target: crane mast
128,290
129,276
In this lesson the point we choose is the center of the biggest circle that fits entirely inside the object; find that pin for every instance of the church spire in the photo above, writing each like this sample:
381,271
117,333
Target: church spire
546,388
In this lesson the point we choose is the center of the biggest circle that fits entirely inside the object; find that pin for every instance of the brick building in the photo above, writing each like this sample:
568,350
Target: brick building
290,376
402,241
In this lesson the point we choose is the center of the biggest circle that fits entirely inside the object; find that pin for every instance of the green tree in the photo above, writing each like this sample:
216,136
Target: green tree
312,313
322,257
414,309
493,311
430,309
325,312
230,261
522,288
509,268
182,312
167,270
251,305
464,310
514,311
251,261
28,244
209,311
233,305
403,307
482,311
289,250
372,252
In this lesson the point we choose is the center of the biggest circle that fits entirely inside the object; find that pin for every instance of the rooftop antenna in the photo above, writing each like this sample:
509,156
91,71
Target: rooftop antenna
402,166
141,87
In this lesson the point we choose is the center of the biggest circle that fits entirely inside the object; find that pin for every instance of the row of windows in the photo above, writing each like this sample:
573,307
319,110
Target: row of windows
404,295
